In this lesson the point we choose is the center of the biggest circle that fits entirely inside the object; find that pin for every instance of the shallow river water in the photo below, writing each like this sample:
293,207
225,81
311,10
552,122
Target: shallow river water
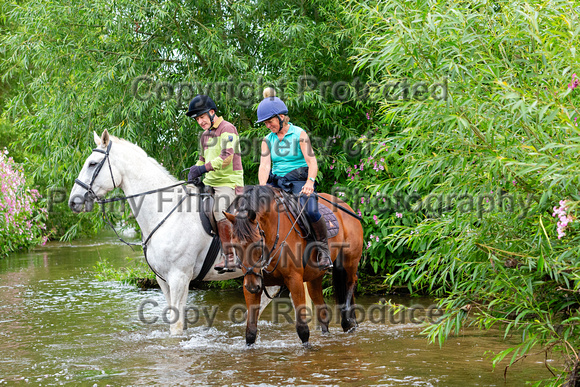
59,325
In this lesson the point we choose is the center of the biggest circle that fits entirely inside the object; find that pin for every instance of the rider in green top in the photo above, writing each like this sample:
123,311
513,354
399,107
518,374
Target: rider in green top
220,159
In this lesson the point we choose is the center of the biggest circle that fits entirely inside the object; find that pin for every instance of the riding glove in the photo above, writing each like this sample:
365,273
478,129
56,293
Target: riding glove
196,171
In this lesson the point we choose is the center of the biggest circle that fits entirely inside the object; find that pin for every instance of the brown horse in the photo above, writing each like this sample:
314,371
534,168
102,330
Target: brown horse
273,252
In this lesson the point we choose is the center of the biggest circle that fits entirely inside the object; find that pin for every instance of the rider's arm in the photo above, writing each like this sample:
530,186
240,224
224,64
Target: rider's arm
308,153
265,164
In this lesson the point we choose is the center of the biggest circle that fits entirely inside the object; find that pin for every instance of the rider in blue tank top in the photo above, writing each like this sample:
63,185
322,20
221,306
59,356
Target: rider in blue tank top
285,154
287,162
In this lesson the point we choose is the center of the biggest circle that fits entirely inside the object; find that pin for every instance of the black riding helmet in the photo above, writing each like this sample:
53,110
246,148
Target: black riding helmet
201,104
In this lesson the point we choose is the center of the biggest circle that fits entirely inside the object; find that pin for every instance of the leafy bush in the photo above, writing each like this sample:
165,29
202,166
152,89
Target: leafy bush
481,172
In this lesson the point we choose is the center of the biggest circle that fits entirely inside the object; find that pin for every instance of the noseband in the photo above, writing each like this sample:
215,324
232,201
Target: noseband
90,194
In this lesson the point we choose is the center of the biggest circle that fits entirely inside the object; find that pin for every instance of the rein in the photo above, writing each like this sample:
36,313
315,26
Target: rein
92,195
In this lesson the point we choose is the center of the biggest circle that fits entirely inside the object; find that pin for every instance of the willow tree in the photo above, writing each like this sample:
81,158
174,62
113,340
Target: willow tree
486,180
131,67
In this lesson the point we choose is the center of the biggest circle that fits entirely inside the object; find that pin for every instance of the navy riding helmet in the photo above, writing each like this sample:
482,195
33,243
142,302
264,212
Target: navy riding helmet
271,106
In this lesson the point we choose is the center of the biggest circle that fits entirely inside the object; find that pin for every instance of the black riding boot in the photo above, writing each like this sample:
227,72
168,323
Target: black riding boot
321,236
227,263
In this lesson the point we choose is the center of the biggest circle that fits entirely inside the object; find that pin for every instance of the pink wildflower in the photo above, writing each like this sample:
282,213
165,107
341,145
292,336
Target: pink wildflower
563,218
574,83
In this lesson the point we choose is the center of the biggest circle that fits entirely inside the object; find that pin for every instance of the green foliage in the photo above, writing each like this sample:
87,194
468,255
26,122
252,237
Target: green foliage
487,164
130,275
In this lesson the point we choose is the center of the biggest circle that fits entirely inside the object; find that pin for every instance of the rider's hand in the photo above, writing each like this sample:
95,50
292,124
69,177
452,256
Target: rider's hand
308,188
196,171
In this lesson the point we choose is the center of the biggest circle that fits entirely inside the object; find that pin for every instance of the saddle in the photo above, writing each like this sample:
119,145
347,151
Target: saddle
205,209
293,207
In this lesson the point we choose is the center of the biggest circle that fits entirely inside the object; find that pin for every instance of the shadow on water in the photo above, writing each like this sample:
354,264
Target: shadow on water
58,325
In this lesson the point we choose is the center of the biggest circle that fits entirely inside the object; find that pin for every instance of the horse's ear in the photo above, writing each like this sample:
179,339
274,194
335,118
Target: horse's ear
252,215
105,138
230,217
97,138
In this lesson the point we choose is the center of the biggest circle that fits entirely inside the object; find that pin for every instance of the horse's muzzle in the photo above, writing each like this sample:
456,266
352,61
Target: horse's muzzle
80,203
254,285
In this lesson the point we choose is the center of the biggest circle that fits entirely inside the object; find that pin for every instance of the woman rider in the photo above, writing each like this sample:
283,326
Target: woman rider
287,162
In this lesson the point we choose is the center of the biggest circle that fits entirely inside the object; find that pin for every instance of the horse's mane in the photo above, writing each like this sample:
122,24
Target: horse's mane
141,152
255,200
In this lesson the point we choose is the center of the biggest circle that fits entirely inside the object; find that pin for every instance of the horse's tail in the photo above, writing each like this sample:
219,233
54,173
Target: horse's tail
339,279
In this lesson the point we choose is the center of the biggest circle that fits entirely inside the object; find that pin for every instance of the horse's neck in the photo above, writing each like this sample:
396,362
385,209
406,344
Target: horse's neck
140,174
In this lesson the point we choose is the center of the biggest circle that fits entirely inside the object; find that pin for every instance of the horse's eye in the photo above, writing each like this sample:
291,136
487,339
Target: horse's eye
92,164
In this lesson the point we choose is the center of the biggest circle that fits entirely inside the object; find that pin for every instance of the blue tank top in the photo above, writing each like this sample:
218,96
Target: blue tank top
286,154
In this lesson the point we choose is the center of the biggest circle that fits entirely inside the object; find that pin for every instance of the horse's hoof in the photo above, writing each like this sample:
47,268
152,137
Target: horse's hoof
307,345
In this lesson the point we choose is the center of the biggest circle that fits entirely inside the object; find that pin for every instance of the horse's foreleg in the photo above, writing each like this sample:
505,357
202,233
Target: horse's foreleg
165,289
296,287
315,290
179,289
253,305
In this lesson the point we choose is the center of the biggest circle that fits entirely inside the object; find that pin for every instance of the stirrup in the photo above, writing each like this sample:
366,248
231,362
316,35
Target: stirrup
223,267
329,265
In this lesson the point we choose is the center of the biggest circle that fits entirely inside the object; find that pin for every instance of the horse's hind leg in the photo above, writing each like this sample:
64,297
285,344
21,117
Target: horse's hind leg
344,279
315,290
348,314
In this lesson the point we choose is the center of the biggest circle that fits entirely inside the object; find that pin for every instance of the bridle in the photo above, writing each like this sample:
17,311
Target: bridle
90,194
268,254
